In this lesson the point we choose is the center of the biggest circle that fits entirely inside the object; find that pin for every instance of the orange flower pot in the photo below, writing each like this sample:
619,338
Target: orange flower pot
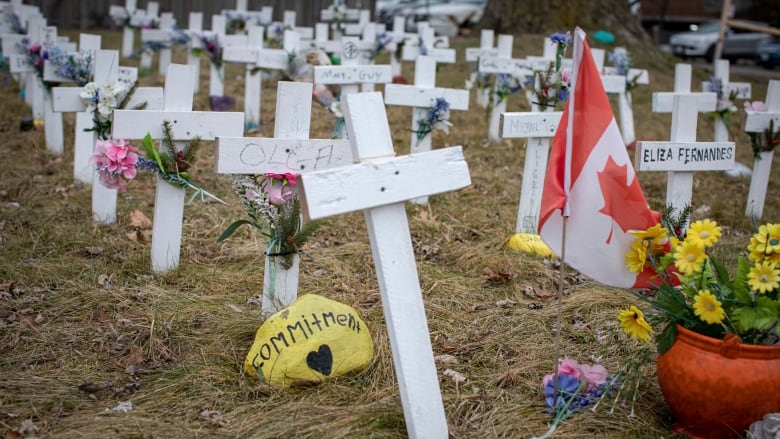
717,388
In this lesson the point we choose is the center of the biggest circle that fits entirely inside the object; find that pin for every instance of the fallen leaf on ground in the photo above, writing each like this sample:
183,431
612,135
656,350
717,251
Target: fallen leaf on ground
140,221
455,375
496,276
446,359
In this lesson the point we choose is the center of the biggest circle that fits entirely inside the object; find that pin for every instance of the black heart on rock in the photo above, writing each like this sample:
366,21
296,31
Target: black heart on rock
320,360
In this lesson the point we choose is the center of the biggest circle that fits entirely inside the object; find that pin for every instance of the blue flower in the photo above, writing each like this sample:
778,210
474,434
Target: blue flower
567,387
559,38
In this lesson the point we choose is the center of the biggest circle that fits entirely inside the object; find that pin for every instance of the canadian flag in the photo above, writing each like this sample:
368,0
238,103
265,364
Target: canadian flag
590,184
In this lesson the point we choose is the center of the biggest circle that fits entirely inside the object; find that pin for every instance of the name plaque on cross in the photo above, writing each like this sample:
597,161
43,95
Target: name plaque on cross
674,156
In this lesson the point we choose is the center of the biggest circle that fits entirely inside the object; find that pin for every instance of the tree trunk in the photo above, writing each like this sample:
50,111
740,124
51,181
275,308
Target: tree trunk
543,16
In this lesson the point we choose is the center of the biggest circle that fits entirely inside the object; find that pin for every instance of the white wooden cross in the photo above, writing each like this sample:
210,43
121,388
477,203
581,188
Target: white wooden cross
421,96
741,90
663,102
194,29
337,23
83,141
187,125
539,128
625,101
255,56
120,14
19,64
248,55
473,54
290,150
217,75
683,154
161,35
379,185
426,45
349,75
758,122
67,99
503,63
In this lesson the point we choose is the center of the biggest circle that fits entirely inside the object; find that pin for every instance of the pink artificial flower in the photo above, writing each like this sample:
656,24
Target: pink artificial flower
570,367
278,191
566,76
116,157
755,106
596,374
286,178
112,181
34,48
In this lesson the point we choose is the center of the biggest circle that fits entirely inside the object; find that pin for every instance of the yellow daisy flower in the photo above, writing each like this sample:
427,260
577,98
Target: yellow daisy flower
636,258
704,233
689,256
708,307
633,322
765,245
764,277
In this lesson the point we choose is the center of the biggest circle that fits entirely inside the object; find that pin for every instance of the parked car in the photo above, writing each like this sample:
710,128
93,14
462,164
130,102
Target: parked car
768,54
446,17
738,43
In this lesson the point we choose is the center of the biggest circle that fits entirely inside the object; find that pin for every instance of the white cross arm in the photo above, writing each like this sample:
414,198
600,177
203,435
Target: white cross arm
19,64
664,101
155,35
383,181
11,42
515,67
349,14
475,53
526,125
641,75
67,99
411,96
117,11
358,74
276,59
186,125
444,56
743,90
758,121
684,156
614,83
237,54
245,155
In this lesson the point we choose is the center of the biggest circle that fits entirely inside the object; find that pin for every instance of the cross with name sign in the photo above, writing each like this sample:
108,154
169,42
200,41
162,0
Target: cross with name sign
759,122
290,150
740,90
423,97
186,126
162,37
68,99
255,56
683,155
379,185
539,128
349,75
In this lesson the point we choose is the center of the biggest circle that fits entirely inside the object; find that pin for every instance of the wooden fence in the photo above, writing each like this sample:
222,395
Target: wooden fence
91,14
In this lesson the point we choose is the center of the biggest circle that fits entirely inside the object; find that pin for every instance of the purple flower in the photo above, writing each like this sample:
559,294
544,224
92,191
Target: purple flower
221,103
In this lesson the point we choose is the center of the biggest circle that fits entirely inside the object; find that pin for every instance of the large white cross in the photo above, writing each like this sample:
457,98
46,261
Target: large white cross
426,45
539,128
290,150
683,154
379,185
349,75
122,13
421,96
663,102
67,99
758,122
186,125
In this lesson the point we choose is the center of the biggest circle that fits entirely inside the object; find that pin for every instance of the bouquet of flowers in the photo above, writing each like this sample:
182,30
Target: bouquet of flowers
382,41
437,119
102,100
273,207
695,290
762,141
553,84
210,46
621,59
76,67
116,161
724,107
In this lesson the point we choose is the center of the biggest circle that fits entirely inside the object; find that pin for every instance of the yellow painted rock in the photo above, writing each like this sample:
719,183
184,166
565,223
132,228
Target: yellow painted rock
529,243
312,340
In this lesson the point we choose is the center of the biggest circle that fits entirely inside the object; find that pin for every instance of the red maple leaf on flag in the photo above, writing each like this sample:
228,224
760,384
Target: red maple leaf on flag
625,203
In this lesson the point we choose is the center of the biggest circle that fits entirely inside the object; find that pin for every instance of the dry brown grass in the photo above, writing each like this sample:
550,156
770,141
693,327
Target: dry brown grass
78,303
